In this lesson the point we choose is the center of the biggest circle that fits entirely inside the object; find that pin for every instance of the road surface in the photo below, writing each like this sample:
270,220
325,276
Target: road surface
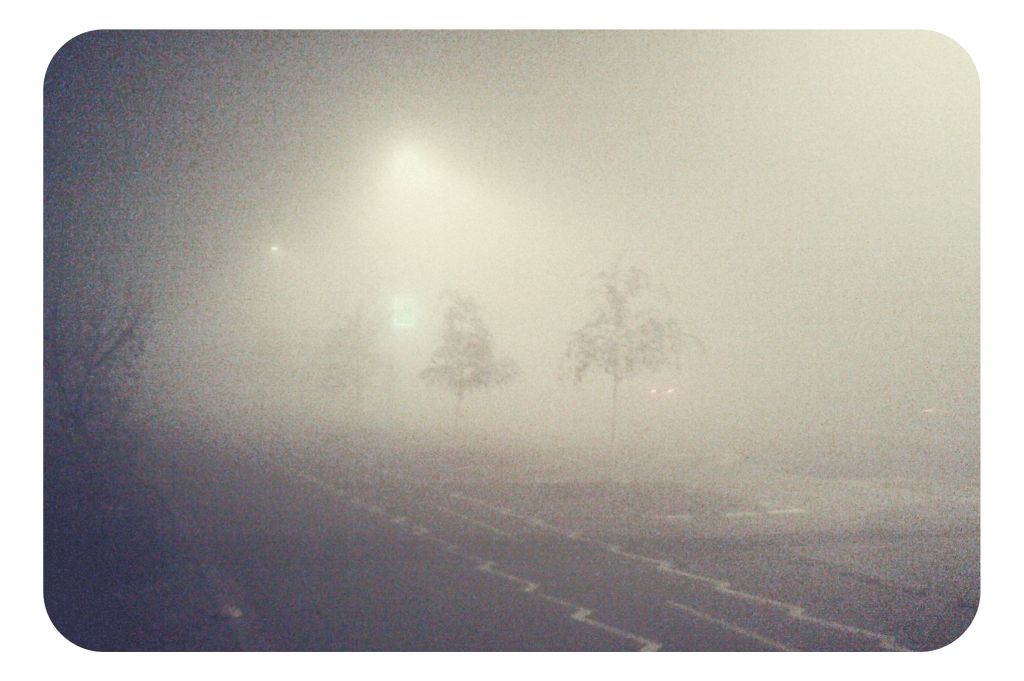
332,554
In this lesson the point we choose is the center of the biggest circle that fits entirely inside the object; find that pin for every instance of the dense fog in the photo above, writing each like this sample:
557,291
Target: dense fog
808,201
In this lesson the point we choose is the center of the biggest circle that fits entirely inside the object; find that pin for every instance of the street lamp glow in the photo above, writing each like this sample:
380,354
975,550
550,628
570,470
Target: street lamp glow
412,169
407,157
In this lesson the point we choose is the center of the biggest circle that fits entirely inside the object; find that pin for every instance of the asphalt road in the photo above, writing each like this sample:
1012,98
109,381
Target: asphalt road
320,554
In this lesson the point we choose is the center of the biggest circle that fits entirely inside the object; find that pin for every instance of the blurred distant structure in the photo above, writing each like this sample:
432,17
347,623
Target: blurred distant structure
351,355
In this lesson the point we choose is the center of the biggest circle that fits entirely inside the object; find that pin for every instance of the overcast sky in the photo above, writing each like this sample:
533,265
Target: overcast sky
810,199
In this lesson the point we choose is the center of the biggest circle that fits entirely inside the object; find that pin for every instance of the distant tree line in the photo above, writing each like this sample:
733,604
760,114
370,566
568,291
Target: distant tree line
627,333
93,348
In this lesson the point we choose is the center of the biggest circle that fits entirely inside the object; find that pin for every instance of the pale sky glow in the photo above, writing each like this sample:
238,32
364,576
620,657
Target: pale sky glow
409,163
810,199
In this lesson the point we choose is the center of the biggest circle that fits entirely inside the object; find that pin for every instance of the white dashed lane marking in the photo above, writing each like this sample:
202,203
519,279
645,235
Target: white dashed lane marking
478,523
582,614
791,610
731,627
489,567
647,645
529,520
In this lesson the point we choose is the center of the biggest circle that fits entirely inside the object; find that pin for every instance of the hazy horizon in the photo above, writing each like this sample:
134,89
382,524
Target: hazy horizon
809,199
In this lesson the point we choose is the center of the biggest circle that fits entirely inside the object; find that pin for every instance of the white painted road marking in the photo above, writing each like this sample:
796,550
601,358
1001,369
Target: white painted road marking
560,601
758,514
731,627
489,567
453,548
791,610
721,586
580,614
583,615
530,520
798,613
474,521
665,566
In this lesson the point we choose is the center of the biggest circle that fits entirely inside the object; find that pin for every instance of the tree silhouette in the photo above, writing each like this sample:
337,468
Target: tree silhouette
625,333
351,354
92,353
465,359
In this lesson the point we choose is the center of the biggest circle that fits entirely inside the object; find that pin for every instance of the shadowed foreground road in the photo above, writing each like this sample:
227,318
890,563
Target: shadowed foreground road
310,571
344,557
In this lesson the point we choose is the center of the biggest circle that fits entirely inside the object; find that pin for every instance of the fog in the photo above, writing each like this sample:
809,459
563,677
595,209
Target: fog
809,200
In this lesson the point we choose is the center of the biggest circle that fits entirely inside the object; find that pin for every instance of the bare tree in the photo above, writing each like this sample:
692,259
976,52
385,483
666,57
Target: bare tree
626,333
465,359
93,348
